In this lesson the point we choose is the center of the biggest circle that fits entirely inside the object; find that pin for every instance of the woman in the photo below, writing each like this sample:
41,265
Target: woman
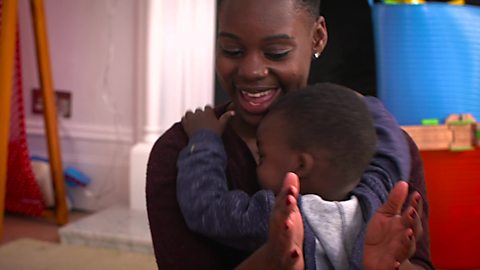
264,49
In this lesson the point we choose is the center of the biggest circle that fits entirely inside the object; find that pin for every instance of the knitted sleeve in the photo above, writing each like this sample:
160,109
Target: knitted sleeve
230,217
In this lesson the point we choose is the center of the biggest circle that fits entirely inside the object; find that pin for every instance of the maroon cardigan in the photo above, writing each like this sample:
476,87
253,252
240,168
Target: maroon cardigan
176,247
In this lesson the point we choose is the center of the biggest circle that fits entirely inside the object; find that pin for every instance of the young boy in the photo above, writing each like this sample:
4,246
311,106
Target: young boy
325,134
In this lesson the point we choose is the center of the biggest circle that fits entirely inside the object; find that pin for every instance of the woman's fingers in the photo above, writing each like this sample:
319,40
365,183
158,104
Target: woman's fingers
396,198
415,211
285,241
286,200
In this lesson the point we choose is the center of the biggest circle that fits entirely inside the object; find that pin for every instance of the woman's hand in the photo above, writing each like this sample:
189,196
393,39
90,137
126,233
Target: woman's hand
284,247
285,236
205,119
390,237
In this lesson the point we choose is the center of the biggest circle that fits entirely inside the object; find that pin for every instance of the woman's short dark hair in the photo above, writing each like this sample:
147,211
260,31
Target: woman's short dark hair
333,120
311,6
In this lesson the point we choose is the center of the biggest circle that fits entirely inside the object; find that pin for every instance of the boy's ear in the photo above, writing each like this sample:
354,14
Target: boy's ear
305,165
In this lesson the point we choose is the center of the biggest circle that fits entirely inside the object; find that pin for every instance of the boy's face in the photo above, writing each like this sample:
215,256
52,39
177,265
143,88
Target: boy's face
276,156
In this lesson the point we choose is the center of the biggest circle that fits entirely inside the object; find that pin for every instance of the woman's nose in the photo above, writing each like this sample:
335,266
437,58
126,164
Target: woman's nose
253,67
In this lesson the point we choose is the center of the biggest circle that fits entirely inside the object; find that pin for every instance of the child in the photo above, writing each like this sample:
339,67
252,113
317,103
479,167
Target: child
324,134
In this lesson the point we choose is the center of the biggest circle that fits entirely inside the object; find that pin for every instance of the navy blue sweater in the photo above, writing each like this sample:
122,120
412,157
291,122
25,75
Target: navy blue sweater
240,220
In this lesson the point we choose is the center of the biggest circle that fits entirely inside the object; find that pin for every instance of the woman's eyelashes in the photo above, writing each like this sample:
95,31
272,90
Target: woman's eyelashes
277,55
232,53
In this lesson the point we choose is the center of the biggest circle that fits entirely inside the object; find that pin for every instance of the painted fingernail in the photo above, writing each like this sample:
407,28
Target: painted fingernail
290,191
413,214
417,199
410,235
294,254
288,201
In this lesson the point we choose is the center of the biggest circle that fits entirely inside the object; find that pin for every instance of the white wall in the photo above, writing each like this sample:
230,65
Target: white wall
93,55
176,74
128,86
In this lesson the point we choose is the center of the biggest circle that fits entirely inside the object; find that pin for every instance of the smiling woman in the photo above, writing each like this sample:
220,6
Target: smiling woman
274,61
264,50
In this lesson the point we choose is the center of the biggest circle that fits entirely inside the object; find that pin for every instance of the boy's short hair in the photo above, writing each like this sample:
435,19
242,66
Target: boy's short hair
331,119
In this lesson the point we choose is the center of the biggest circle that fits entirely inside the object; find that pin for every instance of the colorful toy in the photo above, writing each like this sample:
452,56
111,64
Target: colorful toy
459,133
74,177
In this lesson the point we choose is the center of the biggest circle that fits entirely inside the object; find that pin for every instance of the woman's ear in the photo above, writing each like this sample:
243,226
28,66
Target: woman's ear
305,165
320,36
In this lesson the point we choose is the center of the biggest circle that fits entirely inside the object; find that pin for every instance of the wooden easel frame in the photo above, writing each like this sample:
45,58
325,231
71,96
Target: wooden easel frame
7,55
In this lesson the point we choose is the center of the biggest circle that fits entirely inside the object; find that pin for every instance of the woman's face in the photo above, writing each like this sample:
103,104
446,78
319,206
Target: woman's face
264,49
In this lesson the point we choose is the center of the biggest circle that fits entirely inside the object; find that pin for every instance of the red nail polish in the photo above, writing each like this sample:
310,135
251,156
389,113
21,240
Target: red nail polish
290,191
288,201
417,199
413,214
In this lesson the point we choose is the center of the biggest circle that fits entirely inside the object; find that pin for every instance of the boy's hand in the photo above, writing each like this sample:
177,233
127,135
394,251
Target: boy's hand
205,119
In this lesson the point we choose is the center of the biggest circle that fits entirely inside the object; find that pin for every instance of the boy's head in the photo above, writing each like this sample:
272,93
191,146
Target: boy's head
324,133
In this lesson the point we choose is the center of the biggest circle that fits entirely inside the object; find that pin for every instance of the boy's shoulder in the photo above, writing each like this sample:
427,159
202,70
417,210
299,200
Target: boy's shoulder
176,135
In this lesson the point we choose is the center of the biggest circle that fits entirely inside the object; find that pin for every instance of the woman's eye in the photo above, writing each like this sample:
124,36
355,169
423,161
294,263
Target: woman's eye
232,52
277,55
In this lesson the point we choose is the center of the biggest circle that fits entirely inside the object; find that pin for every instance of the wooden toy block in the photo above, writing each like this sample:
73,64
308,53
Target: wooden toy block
463,137
459,133
430,137
463,129
477,135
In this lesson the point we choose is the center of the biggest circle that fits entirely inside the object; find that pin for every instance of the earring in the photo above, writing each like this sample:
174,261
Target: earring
316,55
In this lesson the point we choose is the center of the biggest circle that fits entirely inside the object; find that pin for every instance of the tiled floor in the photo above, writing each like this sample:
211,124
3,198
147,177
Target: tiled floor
118,228
90,244
39,240
18,226
29,254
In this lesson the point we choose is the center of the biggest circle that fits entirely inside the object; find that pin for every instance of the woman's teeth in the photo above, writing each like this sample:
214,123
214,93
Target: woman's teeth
257,95
257,100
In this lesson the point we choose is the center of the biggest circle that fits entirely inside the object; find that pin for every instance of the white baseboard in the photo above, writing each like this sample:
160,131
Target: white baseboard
103,158
83,132
138,170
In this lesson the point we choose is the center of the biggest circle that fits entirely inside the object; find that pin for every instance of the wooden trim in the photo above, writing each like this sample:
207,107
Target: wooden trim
43,59
7,56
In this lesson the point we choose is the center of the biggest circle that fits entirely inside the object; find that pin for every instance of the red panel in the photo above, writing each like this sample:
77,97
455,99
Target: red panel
453,186
23,194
